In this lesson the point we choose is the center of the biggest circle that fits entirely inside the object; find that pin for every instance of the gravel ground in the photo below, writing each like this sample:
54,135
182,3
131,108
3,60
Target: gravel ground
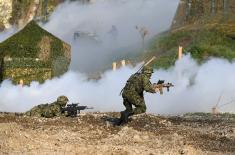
94,133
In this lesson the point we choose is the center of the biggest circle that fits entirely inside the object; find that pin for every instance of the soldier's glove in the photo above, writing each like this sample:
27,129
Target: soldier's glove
157,90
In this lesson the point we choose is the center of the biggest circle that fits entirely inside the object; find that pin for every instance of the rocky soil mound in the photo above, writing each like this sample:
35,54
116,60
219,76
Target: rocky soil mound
94,133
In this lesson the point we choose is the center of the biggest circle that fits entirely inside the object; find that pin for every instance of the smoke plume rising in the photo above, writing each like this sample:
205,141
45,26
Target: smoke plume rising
110,27
197,88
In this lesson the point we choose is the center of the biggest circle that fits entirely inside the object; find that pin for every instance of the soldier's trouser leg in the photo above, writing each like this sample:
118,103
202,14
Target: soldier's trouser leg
140,106
138,102
128,105
35,112
125,114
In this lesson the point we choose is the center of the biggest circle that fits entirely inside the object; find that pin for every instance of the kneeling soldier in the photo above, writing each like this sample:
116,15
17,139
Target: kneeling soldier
133,93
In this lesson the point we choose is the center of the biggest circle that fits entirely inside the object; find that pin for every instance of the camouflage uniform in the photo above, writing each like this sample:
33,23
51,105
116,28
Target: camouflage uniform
49,110
133,93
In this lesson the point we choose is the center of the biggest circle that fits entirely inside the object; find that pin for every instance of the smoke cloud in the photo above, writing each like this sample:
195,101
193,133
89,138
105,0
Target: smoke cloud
7,33
197,89
106,30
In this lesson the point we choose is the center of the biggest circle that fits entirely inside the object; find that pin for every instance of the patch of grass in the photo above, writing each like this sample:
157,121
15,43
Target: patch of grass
202,44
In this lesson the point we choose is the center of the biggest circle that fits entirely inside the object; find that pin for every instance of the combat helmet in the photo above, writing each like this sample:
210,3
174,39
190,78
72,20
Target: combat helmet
62,100
147,70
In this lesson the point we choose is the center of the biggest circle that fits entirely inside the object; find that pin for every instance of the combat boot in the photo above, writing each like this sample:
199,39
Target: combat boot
124,118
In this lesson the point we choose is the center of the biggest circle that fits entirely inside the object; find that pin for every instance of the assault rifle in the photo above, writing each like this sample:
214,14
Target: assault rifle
73,109
160,85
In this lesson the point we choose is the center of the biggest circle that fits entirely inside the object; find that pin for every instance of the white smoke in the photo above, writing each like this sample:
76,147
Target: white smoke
98,18
197,88
7,33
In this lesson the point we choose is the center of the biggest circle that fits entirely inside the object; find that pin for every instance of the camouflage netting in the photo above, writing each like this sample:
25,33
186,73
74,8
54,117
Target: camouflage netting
26,70
33,54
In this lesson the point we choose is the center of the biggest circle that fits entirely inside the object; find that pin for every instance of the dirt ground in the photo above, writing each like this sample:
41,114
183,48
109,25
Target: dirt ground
95,134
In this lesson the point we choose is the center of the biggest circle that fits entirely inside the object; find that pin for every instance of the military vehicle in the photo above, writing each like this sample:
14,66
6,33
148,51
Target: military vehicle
87,36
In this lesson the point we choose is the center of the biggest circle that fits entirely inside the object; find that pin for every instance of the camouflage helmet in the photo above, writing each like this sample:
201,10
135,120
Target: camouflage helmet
62,99
147,70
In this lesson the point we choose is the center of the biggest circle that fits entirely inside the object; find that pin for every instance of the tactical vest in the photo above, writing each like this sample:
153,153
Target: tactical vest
135,83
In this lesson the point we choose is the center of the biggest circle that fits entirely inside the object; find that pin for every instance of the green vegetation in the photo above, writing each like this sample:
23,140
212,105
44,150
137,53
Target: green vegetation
27,75
25,63
201,44
33,54
25,43
202,31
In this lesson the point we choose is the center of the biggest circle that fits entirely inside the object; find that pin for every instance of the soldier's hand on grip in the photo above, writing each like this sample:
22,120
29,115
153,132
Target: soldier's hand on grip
160,85
156,90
